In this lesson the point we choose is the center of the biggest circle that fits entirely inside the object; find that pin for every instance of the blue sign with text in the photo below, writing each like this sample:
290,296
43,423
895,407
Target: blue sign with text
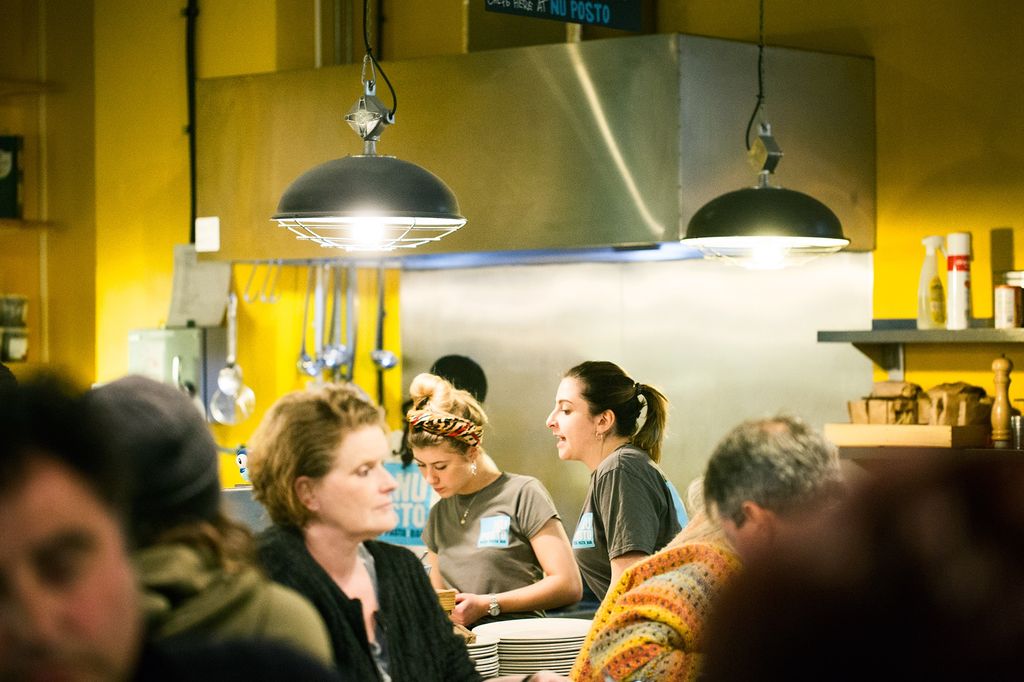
412,499
622,14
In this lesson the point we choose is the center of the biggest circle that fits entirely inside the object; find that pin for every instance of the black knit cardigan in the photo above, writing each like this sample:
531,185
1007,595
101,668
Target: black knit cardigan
419,638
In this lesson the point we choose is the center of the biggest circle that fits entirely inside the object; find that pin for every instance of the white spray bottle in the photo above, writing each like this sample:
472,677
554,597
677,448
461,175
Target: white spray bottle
931,299
958,280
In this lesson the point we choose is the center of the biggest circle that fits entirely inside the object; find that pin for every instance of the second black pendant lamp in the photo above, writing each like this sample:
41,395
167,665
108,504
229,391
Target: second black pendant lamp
764,227
369,202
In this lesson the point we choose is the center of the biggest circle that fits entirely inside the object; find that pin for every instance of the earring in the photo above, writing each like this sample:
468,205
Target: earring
472,468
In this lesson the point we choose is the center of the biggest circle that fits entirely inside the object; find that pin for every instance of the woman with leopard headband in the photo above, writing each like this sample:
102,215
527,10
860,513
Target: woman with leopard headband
495,537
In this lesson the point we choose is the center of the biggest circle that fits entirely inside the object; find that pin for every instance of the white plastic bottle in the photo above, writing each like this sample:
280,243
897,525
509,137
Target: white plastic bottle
958,280
931,298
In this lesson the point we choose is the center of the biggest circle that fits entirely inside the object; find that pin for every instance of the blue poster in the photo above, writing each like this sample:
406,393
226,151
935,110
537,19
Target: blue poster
412,498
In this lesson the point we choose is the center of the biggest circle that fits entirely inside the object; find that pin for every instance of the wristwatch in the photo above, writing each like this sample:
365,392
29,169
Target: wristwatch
494,608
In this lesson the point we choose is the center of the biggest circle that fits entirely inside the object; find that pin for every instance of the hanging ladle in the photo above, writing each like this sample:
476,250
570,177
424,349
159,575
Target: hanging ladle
269,292
382,358
233,401
335,352
307,364
351,321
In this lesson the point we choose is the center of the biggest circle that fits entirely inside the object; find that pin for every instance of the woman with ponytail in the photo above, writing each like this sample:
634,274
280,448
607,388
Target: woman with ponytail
631,509
495,537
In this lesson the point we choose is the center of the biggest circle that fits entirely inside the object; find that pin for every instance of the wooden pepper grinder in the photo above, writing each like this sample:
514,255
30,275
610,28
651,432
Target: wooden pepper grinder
1001,436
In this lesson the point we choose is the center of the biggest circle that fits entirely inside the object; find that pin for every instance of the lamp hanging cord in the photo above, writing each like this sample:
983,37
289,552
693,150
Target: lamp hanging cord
376,64
760,75
191,13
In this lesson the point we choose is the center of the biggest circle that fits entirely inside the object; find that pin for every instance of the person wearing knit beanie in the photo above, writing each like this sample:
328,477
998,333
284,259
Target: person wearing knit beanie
195,564
157,430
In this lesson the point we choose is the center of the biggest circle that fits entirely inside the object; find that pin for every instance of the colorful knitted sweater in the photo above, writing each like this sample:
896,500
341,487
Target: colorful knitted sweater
650,625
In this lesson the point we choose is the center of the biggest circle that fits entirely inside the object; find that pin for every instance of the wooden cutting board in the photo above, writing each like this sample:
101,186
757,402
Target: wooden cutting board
941,436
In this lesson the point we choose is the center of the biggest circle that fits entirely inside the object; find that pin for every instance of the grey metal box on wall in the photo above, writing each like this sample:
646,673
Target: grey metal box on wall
189,358
611,142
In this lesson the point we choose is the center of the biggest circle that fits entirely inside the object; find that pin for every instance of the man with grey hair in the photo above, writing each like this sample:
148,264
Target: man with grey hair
759,481
764,475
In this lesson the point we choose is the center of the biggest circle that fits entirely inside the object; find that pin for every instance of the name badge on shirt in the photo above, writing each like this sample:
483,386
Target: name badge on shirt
494,531
584,535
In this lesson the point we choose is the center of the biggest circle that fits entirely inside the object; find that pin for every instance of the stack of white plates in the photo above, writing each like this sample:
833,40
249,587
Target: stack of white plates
484,652
531,644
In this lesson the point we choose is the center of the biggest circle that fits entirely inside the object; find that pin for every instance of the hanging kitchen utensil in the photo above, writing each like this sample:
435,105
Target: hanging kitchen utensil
335,352
186,387
266,291
248,293
269,292
307,364
233,401
351,320
319,307
383,359
348,344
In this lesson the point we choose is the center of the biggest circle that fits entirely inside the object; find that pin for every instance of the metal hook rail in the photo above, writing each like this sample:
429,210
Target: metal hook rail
270,293
267,291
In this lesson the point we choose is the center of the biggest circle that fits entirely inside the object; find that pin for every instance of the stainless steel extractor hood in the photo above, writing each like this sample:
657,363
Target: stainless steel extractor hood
608,143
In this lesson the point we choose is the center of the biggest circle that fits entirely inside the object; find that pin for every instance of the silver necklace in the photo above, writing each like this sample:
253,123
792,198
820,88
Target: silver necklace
462,521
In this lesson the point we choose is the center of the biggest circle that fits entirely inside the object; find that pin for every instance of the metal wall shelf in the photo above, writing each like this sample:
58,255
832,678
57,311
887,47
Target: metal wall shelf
884,343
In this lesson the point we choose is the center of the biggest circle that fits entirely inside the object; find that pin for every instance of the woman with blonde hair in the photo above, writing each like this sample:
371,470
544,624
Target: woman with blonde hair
317,465
493,536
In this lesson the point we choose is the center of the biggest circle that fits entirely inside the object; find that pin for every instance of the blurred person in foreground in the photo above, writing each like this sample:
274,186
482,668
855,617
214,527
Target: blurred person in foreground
69,607
317,464
197,567
651,626
918,576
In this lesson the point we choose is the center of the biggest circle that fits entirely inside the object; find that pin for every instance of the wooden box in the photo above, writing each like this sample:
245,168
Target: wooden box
922,435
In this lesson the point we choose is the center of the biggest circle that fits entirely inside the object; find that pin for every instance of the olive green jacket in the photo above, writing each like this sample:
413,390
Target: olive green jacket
185,590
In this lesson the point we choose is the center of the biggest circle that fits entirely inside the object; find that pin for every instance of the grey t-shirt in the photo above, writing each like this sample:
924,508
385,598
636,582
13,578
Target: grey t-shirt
491,553
629,508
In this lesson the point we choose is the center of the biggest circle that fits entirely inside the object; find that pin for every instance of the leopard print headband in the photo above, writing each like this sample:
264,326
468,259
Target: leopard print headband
445,425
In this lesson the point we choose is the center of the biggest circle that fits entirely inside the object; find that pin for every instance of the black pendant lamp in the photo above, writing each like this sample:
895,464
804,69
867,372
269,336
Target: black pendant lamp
369,202
764,227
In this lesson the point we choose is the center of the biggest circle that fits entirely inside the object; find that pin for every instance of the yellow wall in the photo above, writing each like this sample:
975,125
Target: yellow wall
142,205
949,154
70,190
